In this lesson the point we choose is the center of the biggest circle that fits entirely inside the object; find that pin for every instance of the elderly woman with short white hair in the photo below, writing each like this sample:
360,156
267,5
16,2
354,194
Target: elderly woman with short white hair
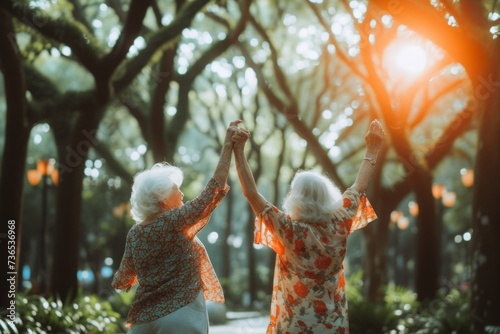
164,256
309,237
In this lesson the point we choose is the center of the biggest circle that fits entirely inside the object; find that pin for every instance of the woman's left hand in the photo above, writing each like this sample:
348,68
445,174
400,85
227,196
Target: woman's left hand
232,130
240,138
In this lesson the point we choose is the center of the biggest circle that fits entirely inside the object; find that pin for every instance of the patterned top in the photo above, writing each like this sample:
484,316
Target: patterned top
168,261
308,289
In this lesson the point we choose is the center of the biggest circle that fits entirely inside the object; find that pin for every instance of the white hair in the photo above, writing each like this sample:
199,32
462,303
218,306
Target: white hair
151,187
312,198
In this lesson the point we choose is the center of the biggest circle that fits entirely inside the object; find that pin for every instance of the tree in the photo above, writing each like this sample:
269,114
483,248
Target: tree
356,63
468,43
75,115
16,143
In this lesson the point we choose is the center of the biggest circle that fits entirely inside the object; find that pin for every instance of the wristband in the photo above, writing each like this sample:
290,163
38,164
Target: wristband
371,160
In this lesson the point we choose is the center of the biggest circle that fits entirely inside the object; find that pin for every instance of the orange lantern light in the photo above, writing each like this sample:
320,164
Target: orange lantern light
43,167
413,208
449,198
437,190
403,222
467,177
55,177
34,177
395,216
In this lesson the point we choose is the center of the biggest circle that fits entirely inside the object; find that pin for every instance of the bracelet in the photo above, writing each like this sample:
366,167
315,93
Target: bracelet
223,162
371,160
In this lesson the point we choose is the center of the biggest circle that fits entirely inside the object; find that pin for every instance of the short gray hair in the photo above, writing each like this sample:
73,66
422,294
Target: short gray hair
312,198
151,187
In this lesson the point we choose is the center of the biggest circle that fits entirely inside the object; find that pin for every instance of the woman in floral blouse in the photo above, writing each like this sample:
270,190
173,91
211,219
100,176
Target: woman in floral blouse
164,256
309,237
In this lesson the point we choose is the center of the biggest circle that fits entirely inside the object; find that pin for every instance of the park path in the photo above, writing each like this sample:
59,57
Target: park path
242,323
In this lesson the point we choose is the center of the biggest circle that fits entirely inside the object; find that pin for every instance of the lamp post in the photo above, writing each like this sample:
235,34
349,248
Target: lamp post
444,199
120,212
467,176
396,216
413,209
44,170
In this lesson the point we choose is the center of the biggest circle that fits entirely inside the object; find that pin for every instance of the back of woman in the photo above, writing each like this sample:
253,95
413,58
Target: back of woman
309,274
310,237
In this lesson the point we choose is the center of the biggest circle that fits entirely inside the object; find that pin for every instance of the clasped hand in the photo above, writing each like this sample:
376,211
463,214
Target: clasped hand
238,136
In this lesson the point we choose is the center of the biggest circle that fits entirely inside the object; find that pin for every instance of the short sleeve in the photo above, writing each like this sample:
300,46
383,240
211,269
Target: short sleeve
358,210
267,228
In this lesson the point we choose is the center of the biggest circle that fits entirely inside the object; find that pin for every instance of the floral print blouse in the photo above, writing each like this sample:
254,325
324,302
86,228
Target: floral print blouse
308,289
168,261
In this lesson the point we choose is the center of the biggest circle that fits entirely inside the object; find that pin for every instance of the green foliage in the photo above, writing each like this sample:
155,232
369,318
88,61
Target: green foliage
401,300
120,302
7,327
366,316
448,313
88,314
400,312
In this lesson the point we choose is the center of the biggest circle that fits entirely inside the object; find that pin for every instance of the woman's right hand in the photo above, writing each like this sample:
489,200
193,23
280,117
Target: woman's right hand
375,136
232,129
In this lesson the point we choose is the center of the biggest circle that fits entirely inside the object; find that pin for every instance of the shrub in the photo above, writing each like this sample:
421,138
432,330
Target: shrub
88,314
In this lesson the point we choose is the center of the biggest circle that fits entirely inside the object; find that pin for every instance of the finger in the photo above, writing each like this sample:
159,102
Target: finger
236,122
238,138
246,132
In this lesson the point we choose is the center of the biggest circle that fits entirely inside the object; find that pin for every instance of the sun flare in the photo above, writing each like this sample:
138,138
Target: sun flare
412,59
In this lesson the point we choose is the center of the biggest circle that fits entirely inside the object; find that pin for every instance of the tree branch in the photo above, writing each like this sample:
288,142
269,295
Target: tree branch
131,29
72,33
162,38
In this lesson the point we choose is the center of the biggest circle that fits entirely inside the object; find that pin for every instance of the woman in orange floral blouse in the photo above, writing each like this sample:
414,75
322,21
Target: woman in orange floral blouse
164,256
309,237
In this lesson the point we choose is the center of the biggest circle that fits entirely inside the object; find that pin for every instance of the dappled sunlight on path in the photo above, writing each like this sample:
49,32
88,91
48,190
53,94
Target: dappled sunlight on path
253,325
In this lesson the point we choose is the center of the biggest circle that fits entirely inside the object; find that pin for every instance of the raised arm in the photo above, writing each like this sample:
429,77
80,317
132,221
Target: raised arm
222,170
373,140
256,200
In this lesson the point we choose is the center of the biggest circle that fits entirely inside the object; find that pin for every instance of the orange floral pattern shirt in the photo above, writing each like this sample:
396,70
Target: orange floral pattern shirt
308,289
168,261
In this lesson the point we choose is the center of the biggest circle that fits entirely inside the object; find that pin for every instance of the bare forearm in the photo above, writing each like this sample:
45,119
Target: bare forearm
222,170
365,172
247,181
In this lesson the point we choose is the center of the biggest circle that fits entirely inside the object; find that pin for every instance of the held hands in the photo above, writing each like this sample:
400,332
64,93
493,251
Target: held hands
232,130
374,137
239,139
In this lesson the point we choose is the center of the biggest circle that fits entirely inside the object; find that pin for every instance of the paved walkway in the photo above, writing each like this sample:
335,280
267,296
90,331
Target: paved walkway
243,325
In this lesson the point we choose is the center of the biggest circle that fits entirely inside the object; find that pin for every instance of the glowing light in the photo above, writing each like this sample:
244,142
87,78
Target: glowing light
411,58
467,177
212,237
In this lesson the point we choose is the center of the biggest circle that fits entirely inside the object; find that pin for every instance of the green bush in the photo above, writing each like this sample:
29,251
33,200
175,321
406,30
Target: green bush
401,313
120,301
449,312
36,314
366,317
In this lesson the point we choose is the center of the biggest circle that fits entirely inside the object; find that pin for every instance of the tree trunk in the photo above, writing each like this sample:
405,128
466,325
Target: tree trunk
375,259
17,132
427,264
485,302
64,284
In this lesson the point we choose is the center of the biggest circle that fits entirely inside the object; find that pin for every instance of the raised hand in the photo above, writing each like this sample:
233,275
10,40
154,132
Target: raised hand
232,130
374,137
240,138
